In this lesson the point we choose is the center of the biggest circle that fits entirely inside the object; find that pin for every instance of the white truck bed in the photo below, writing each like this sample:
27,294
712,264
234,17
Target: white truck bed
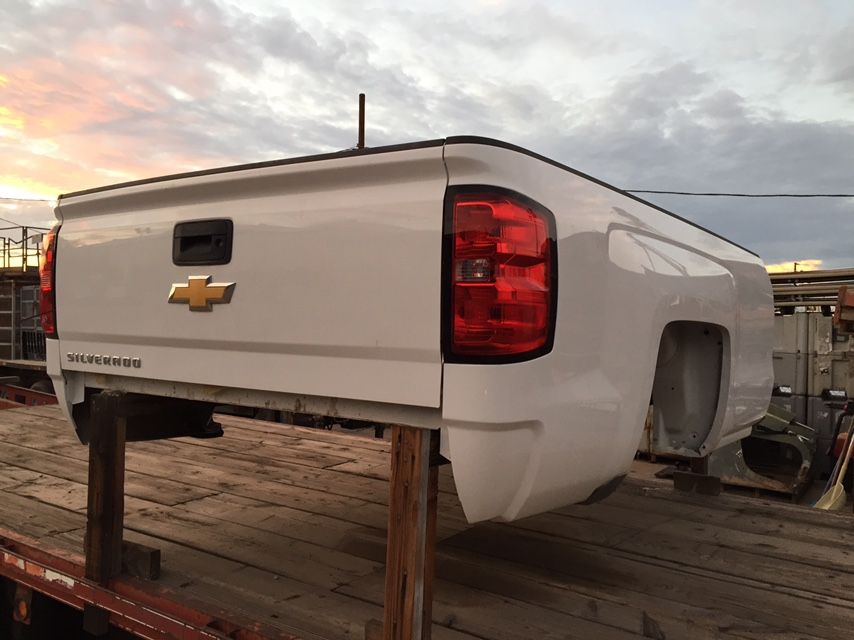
340,293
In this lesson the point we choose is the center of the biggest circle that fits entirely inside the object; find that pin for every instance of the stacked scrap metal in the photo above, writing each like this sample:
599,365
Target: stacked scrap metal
812,371
843,317
812,362
809,288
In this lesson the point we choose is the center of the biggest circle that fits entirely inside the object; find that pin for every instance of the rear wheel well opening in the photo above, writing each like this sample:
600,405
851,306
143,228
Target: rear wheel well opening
687,385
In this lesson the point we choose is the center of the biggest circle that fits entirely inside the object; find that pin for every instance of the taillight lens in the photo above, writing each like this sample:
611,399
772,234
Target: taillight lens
502,276
47,283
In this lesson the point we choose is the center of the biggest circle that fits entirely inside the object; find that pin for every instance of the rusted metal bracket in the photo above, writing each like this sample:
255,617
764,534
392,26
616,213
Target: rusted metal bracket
23,604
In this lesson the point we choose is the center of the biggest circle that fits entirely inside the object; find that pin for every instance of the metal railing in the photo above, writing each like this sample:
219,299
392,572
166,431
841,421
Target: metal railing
29,341
809,288
20,247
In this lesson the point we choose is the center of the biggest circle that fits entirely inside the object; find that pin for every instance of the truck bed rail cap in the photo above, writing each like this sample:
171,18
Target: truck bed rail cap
346,153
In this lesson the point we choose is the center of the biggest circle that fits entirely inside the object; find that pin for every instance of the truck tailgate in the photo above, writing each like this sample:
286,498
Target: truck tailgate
336,265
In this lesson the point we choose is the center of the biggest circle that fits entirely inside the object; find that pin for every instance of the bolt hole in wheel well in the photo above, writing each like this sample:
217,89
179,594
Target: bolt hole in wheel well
687,385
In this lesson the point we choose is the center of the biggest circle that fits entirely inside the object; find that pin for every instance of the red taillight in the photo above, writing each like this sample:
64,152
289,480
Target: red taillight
502,279
47,281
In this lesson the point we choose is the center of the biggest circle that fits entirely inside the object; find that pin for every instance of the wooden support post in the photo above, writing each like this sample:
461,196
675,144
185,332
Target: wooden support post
106,501
105,514
410,555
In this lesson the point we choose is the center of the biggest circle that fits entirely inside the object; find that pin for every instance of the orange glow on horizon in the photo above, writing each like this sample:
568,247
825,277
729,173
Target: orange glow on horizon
28,189
789,267
50,141
8,119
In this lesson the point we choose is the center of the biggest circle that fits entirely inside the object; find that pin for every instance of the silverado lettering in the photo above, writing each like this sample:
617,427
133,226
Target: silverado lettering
116,361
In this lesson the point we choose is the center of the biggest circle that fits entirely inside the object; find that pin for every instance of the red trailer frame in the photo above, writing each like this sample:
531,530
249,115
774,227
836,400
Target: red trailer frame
142,608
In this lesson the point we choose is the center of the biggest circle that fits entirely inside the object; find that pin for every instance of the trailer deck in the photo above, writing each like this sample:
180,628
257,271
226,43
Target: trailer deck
285,527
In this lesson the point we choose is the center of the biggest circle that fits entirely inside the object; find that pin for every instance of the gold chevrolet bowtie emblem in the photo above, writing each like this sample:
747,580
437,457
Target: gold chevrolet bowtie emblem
201,293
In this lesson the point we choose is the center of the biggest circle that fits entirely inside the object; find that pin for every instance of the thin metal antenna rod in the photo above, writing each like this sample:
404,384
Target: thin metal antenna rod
361,143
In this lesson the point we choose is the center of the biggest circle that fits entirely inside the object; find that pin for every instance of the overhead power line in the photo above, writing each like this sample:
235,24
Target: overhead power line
744,195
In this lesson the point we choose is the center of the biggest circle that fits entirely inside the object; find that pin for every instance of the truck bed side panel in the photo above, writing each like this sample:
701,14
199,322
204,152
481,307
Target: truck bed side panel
530,436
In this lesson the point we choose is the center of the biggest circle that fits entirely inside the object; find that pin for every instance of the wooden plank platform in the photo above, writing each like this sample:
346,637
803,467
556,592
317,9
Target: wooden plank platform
287,526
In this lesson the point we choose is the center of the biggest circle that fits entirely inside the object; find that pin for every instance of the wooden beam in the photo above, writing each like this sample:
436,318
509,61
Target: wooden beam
696,483
105,513
140,561
410,554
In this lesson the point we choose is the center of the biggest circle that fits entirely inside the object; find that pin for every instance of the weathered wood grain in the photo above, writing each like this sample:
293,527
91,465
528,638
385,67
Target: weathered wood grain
288,525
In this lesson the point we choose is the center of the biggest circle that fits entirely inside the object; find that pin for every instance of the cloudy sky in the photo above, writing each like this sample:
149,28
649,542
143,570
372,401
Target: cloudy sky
723,95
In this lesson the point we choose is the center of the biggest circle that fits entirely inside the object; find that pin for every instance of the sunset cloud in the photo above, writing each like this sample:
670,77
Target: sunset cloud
723,95
9,120
794,265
